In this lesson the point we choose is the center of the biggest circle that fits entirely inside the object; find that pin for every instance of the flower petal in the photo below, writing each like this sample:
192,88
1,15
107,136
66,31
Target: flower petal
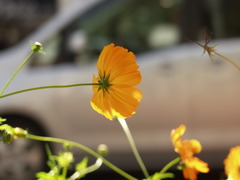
129,79
125,100
176,135
186,149
232,163
198,164
118,74
100,104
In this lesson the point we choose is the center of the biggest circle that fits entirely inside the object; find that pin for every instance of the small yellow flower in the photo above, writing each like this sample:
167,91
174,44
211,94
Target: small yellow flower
186,149
232,163
118,73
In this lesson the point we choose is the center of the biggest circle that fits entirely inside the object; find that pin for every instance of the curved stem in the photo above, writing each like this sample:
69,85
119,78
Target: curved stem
133,146
88,170
169,165
84,148
229,60
48,87
15,73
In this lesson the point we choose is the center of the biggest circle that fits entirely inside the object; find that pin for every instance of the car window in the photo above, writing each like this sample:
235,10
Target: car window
137,25
140,26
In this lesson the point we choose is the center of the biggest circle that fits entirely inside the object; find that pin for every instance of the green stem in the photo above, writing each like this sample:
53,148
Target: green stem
133,146
64,172
84,148
169,165
15,73
48,87
88,170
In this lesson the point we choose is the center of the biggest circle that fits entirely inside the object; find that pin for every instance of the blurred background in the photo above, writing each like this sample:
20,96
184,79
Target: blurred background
143,24
199,93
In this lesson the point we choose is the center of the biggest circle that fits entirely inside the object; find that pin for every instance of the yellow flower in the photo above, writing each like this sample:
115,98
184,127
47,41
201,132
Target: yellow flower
232,164
118,73
186,149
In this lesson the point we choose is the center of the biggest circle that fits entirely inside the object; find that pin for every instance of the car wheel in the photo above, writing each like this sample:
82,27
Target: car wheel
23,158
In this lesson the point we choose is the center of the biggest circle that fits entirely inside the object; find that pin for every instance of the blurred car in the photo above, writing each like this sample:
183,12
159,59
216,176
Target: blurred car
180,86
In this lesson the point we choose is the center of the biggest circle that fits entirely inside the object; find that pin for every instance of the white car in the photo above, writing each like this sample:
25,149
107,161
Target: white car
179,86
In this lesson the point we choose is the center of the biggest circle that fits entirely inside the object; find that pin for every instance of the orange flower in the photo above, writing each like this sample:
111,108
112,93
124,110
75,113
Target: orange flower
232,163
186,149
118,73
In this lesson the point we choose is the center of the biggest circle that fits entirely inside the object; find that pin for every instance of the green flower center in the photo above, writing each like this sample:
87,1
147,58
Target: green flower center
104,82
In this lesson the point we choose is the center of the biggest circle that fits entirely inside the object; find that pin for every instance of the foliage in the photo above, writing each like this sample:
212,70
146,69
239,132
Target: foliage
116,97
59,165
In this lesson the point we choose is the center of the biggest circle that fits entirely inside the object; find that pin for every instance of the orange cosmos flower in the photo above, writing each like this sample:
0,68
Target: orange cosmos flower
186,149
232,163
118,73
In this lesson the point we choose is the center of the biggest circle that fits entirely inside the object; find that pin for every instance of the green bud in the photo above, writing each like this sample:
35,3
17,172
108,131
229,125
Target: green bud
103,149
67,146
65,159
37,47
7,138
19,133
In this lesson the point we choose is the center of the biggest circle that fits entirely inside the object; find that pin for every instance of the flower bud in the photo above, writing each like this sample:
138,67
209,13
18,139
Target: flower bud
67,146
19,133
37,47
7,138
103,149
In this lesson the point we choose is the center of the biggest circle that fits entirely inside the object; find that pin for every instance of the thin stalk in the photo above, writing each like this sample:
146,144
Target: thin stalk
169,165
64,172
48,87
133,146
16,72
229,60
84,148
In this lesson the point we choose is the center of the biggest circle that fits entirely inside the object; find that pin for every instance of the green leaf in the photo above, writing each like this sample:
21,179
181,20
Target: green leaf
49,176
7,128
81,166
2,120
45,176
